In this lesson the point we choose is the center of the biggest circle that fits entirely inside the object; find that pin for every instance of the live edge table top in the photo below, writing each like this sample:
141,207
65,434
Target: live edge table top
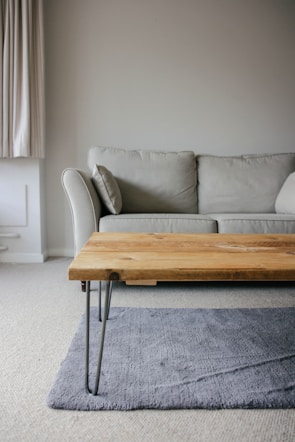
152,257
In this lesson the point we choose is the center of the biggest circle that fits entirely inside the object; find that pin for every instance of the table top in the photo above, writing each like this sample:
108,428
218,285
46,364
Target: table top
153,257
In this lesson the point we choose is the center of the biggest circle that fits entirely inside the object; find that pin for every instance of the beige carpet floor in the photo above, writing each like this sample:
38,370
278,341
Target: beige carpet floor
39,313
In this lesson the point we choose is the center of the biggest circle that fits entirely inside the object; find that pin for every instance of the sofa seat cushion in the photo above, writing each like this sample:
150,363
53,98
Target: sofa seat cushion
254,223
151,182
248,184
157,223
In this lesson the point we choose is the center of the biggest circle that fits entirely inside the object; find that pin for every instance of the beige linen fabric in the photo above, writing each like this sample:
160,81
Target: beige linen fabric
21,79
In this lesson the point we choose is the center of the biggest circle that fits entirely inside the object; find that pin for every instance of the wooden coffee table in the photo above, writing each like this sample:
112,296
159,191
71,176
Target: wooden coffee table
143,258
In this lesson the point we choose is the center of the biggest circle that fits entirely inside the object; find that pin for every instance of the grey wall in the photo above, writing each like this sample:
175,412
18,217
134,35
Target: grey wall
214,76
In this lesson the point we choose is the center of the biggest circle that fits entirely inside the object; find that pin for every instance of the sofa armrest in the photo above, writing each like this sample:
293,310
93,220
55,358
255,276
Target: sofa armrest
84,204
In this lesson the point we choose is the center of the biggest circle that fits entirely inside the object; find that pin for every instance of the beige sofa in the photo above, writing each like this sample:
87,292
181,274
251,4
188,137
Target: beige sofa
145,191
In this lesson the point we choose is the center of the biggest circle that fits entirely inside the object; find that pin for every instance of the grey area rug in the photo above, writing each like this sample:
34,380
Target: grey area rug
184,358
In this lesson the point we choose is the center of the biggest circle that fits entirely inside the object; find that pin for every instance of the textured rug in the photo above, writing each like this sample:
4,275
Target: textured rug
184,358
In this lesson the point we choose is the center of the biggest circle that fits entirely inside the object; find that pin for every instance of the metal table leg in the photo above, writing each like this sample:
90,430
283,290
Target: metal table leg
99,300
102,336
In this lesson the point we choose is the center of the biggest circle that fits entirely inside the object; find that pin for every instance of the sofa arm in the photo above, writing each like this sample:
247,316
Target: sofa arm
84,204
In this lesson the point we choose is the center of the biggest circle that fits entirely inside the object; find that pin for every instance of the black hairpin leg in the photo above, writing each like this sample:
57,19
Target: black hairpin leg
99,300
102,336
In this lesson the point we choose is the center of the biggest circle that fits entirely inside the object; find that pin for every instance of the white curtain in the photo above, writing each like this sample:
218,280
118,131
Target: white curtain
21,79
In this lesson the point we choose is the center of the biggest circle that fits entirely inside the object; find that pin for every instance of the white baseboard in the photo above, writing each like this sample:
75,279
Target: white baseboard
25,258
65,253
19,258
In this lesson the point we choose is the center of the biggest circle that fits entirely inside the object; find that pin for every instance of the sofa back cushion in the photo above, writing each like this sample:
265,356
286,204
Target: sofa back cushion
151,182
243,184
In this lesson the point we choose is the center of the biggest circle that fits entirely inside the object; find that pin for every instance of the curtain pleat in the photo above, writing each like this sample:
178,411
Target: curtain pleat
22,104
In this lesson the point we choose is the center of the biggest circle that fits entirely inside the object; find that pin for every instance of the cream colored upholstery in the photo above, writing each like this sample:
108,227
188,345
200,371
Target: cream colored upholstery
182,192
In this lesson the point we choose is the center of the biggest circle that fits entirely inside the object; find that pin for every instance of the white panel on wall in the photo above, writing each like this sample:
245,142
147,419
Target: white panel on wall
22,227
13,204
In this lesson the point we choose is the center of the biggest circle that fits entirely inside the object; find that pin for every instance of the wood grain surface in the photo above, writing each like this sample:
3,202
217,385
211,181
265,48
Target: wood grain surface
155,257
